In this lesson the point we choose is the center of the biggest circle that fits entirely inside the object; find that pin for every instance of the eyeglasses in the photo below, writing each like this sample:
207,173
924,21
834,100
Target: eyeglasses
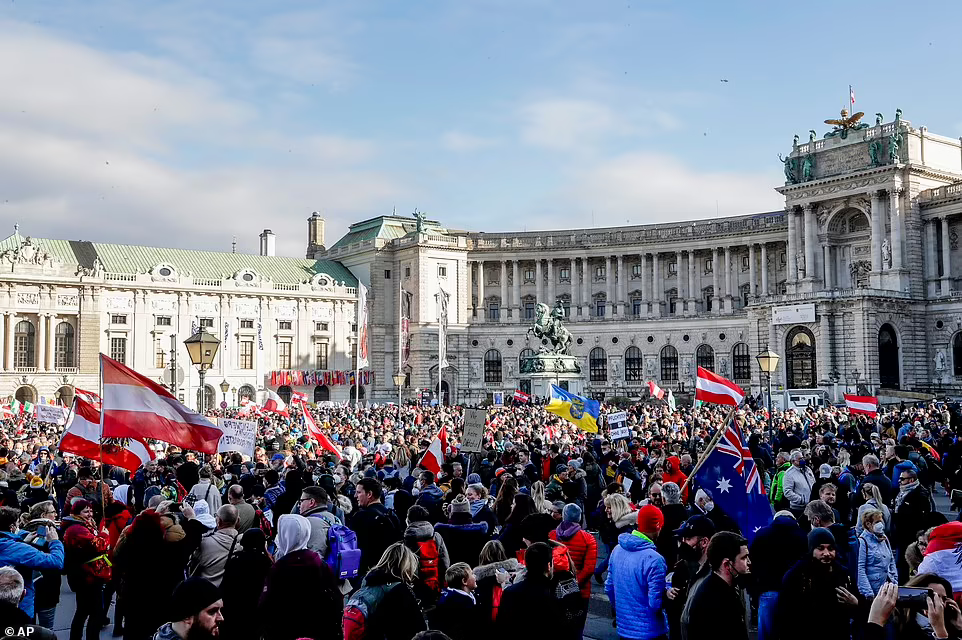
304,500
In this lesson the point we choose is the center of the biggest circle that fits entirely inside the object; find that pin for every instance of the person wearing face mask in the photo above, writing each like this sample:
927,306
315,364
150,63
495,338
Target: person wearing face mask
876,561
691,568
817,583
797,484
715,608
775,548
705,506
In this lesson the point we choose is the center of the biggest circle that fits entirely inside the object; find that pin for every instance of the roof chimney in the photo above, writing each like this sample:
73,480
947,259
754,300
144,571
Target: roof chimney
267,243
315,234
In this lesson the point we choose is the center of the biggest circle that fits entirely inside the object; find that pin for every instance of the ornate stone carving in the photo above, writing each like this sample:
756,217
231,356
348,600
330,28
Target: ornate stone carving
68,300
119,304
28,299
886,253
28,253
954,238
940,360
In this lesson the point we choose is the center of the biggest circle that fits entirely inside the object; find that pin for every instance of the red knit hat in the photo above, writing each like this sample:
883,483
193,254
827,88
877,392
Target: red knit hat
650,519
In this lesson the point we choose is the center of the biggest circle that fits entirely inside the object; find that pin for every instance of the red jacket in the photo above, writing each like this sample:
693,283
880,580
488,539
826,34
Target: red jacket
676,475
583,549
115,525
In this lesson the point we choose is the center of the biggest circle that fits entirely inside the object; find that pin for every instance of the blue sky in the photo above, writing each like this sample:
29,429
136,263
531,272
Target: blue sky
186,123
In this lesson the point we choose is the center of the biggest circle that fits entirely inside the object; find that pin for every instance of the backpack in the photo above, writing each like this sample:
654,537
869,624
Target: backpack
343,556
359,609
429,559
262,522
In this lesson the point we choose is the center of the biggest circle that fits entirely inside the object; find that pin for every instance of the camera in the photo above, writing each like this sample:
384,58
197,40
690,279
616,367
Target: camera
914,597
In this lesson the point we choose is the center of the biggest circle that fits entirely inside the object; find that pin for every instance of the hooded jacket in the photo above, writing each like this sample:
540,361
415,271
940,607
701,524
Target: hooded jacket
774,550
676,475
775,494
464,541
25,558
414,535
211,557
636,588
584,552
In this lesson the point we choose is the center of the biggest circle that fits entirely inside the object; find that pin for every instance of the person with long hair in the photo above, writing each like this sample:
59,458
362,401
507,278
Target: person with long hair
385,608
537,494
494,572
876,559
505,500
619,519
873,501
244,578
510,537
88,570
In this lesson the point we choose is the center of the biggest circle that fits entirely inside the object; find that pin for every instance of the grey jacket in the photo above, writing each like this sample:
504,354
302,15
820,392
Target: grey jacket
321,522
797,486
211,558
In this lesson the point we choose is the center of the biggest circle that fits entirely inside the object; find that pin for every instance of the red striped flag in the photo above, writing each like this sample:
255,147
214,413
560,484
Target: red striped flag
711,387
521,395
82,438
655,391
319,436
88,396
134,406
865,405
274,403
434,456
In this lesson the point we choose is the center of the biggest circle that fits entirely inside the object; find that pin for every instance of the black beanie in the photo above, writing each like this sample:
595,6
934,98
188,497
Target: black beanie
819,536
192,596
537,526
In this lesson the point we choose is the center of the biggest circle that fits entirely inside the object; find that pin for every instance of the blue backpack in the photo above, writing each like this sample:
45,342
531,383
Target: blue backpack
343,556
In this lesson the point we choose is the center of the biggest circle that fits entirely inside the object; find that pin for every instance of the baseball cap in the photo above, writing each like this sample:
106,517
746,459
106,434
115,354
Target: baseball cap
699,525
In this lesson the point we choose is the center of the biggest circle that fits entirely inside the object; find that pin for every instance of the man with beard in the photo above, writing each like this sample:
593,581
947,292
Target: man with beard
692,565
817,583
195,611
715,608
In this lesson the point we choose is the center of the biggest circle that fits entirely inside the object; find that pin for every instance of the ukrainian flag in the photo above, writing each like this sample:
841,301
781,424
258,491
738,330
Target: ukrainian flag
575,409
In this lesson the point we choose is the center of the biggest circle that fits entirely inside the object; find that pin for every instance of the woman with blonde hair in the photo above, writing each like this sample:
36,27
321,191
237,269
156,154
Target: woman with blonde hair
873,500
537,494
619,518
876,560
384,608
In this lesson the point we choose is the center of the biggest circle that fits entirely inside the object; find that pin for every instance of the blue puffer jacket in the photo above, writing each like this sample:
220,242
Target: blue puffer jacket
25,558
636,588
876,564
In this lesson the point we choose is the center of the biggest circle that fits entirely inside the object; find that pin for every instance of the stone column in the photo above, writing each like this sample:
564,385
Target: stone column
895,213
753,286
930,251
716,293
657,287
3,341
946,258
11,324
680,301
515,291
728,281
827,261
538,281
573,285
792,274
504,291
551,295
878,233
645,294
622,287
51,340
610,301
479,285
585,287
692,298
41,346
765,269
810,240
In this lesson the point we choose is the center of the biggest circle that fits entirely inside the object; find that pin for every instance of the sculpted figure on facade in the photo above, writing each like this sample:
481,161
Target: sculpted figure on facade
940,360
886,253
808,167
800,261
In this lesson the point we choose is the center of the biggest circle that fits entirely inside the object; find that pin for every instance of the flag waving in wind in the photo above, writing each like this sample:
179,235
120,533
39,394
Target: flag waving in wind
655,391
729,474
434,456
82,438
711,387
865,405
577,410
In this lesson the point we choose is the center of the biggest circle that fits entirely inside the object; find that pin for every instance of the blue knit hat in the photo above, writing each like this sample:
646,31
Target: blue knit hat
571,513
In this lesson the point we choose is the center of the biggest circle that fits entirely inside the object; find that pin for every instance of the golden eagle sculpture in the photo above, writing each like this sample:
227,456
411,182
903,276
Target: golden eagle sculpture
846,122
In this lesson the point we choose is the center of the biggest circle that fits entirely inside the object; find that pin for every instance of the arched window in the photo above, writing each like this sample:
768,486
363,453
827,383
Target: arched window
800,352
285,394
705,357
888,358
355,392
66,395
246,391
492,366
25,394
524,355
957,354
634,365
598,365
209,398
64,346
669,364
741,363
24,345
322,393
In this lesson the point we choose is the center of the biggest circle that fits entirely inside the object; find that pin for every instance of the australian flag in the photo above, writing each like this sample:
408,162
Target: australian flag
730,475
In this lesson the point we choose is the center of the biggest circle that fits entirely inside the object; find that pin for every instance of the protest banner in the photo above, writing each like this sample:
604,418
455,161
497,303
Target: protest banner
238,435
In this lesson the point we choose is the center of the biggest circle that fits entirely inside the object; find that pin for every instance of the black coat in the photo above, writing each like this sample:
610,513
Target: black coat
464,542
775,549
808,586
667,543
716,611
909,517
880,480
398,615
457,615
529,610
376,529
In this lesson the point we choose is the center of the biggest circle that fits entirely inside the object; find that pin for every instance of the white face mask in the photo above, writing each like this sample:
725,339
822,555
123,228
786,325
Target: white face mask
879,528
709,505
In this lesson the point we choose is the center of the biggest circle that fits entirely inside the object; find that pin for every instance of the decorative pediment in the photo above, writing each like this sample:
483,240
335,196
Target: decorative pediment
29,252
163,272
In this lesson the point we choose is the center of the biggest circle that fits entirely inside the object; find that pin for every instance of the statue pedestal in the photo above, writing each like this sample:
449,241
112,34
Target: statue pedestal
546,369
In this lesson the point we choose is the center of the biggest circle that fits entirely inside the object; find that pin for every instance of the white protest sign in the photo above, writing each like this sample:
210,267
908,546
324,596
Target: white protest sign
239,435
473,430
619,416
620,433
52,414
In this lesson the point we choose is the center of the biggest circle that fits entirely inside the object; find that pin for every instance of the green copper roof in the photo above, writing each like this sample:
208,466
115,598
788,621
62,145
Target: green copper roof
125,258
382,228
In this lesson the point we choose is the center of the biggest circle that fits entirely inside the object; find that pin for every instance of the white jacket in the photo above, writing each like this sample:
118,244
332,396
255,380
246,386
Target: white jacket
797,486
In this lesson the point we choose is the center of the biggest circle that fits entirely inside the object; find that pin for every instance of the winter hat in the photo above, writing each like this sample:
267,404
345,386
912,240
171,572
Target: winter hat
650,519
561,468
474,478
825,471
785,513
819,536
78,505
36,482
537,526
460,505
192,596
571,513
202,514
575,463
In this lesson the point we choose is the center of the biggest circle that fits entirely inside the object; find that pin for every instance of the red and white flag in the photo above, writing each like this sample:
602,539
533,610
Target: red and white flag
135,406
942,556
82,438
711,387
655,391
319,436
851,95
274,403
298,396
6,412
866,405
89,397
434,456
521,395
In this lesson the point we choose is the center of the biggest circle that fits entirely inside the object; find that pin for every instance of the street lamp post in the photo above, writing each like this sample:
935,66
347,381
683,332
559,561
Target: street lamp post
768,362
233,391
224,387
856,374
202,347
399,382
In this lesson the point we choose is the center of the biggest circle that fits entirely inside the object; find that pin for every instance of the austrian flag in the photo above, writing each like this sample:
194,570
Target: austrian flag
521,396
866,405
434,456
655,391
711,387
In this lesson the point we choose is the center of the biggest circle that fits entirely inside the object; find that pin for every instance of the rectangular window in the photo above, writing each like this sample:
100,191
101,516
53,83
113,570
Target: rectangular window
118,349
709,265
442,271
283,355
672,267
247,323
599,272
636,307
567,307
320,355
745,266
160,357
118,318
564,274
407,272
207,323
354,355
529,275
494,311
782,259
354,328
636,270
387,274
320,326
163,321
529,310
246,355
284,325
672,302
600,308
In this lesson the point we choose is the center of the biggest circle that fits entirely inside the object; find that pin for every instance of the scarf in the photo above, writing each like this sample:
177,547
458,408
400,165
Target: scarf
904,490
476,506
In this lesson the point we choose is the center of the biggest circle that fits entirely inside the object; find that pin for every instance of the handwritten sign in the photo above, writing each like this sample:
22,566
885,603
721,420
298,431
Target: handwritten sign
473,430
238,435
618,416
52,414
620,433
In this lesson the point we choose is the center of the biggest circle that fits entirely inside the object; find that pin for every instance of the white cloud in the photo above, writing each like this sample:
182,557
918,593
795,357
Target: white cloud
573,124
302,60
462,142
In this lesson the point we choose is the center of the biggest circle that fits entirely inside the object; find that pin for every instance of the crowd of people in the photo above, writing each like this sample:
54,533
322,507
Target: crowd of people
299,542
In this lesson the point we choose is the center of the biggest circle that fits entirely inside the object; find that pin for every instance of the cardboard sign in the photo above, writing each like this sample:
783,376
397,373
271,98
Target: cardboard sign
473,430
52,414
239,435
620,433
618,416
498,397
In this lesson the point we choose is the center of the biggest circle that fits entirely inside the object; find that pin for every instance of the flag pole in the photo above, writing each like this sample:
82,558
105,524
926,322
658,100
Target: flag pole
100,489
711,446
357,349
400,336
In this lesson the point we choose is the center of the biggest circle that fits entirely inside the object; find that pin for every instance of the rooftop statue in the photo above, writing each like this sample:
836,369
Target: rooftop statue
845,124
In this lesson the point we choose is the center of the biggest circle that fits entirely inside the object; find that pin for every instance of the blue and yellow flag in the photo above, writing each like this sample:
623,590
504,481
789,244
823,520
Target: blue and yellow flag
575,409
